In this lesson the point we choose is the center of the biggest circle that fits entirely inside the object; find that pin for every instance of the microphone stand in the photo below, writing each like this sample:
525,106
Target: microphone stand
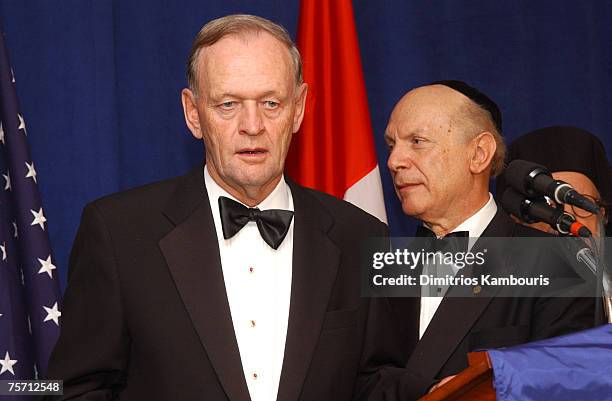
605,273
603,282
587,253
600,295
608,307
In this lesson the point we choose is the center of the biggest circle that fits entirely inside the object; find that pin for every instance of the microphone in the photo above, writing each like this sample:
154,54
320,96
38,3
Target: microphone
535,211
532,179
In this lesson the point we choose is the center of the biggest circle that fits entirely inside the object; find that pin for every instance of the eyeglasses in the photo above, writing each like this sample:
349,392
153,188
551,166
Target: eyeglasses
585,213
575,210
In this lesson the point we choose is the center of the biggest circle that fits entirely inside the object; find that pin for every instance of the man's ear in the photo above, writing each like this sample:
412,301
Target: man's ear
190,112
300,104
483,150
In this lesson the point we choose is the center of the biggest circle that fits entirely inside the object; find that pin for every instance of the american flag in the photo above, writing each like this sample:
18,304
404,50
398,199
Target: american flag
30,300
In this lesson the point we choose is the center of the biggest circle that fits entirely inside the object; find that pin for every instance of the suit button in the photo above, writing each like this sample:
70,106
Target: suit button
476,290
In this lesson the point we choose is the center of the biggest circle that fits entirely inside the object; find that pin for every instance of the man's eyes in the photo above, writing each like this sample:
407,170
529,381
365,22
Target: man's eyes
412,141
271,104
232,104
229,105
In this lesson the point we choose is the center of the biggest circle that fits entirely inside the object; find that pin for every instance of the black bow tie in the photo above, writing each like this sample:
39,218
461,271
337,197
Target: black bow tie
455,242
273,224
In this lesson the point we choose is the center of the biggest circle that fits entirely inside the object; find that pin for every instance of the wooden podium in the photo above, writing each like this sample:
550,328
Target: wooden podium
473,384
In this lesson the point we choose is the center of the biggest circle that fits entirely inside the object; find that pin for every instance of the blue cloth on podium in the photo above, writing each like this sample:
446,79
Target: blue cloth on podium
573,367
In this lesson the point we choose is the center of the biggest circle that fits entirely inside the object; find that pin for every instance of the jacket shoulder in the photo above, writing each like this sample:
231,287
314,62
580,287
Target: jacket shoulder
148,197
525,231
503,225
145,209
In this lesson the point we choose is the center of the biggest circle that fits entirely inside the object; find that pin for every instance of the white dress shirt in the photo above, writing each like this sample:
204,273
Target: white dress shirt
258,285
475,225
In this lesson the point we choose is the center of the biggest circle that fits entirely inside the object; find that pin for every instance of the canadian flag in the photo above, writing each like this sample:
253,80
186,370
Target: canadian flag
334,151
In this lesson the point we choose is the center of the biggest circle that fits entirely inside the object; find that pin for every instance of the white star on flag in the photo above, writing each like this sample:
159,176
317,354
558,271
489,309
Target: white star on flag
46,266
16,235
7,178
7,364
3,249
53,314
39,218
22,124
31,172
2,134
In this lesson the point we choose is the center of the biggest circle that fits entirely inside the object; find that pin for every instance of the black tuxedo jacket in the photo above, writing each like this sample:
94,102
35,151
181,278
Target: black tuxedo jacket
146,316
462,325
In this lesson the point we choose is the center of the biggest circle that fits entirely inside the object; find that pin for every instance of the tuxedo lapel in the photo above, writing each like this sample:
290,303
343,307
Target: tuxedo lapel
458,312
192,253
315,263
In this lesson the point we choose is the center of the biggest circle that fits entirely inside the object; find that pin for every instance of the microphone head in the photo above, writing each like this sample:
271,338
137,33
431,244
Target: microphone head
518,175
512,202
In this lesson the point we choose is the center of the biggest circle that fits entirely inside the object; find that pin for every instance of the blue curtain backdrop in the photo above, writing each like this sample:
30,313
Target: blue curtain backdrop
99,81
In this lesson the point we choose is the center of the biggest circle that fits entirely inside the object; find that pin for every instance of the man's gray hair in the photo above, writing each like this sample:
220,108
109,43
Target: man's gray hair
238,24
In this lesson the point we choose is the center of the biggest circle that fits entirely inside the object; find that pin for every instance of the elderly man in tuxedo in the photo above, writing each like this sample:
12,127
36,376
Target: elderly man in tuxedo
445,145
231,282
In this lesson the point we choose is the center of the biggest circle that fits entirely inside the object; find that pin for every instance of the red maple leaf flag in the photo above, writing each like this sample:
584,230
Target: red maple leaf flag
334,151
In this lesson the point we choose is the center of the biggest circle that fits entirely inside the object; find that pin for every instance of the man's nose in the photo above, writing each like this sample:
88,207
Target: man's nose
398,160
251,120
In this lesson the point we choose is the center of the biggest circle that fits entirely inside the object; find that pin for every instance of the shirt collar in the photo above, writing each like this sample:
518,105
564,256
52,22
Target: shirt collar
478,222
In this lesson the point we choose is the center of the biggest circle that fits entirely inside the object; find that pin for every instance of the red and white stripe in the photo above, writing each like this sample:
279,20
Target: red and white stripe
334,150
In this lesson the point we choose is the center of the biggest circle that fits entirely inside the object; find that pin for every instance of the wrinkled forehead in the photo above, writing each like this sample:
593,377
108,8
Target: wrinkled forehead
240,55
426,108
436,99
